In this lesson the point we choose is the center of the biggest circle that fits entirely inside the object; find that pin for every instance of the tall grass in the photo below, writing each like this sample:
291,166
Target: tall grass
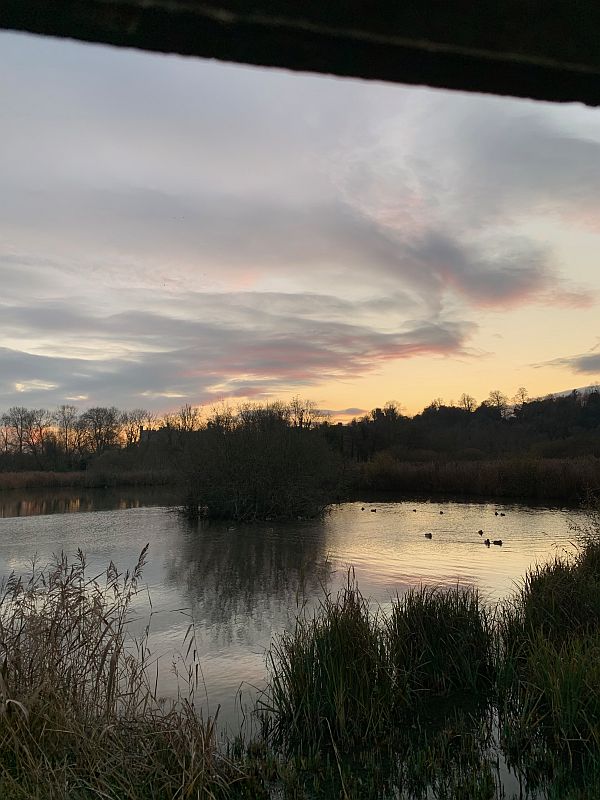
348,673
440,640
79,715
91,479
549,645
330,678
540,478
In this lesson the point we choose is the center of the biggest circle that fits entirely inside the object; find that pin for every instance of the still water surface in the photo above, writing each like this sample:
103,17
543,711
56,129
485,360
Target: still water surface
242,585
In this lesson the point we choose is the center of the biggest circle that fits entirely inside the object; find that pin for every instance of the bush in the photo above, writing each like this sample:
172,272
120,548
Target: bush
261,473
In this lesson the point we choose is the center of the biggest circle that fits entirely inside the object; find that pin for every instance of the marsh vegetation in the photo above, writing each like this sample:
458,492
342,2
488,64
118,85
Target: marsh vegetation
440,695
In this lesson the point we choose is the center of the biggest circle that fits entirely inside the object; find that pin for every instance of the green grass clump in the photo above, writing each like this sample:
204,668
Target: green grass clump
348,673
549,660
330,680
564,684
561,598
440,640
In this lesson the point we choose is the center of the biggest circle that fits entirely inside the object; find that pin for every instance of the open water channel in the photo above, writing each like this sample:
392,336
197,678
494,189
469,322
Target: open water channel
243,584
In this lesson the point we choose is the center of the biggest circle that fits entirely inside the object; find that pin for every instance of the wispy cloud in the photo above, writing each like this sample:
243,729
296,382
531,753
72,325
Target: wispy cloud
584,363
176,229
235,350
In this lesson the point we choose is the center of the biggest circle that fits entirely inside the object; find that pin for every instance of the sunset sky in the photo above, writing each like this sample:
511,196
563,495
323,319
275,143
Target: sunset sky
177,230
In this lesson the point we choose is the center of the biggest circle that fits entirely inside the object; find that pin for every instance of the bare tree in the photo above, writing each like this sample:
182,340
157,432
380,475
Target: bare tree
101,426
65,418
467,403
221,417
498,400
37,427
304,413
16,419
132,423
436,404
521,397
392,410
188,418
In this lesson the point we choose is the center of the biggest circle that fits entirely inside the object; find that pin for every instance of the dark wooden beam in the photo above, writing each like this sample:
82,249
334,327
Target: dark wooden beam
543,49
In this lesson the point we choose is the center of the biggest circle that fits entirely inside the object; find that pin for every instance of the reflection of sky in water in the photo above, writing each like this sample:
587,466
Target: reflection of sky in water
242,584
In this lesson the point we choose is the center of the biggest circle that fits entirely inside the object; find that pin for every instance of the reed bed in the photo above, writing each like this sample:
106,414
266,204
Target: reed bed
549,658
92,479
79,714
547,479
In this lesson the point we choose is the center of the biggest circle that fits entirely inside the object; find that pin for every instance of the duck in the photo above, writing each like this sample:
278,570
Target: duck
373,511
428,535
486,542
496,513
480,532
502,514
362,508
441,512
414,510
497,541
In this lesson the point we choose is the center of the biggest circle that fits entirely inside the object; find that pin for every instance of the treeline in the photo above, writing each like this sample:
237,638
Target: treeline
68,438
552,427
261,461
253,462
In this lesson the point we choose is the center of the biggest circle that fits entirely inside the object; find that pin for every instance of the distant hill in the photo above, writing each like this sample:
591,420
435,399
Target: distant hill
579,390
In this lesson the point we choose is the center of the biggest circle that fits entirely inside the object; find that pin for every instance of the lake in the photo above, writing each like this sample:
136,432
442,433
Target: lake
243,584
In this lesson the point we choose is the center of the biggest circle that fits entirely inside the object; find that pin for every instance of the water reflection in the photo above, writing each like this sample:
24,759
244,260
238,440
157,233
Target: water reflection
244,581
40,502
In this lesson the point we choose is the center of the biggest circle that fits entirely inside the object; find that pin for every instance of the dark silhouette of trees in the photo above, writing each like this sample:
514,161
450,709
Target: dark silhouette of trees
498,401
263,462
100,427
467,403
253,438
65,418
132,424
16,420
521,397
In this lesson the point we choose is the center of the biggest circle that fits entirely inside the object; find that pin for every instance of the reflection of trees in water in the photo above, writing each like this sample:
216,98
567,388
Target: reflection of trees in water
245,581
32,502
